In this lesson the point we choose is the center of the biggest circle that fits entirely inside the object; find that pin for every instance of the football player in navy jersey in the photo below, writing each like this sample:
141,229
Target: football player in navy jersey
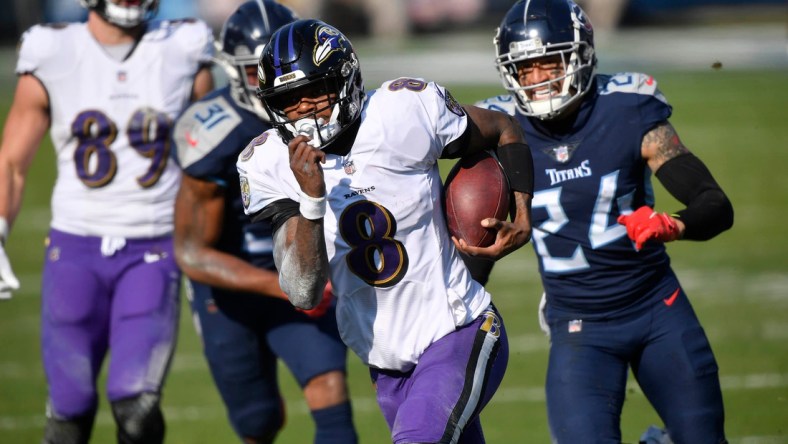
612,302
107,90
244,318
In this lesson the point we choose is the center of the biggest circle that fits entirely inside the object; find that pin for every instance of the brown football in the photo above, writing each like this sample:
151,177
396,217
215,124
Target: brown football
475,189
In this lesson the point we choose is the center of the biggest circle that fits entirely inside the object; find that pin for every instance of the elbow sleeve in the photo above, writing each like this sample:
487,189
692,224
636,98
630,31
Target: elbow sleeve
708,211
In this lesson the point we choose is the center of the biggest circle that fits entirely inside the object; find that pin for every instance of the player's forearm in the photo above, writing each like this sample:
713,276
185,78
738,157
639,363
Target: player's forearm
522,216
300,255
708,210
218,269
12,183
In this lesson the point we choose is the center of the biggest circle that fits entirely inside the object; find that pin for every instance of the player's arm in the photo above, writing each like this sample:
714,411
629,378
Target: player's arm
203,83
199,212
25,127
492,129
708,211
486,130
299,241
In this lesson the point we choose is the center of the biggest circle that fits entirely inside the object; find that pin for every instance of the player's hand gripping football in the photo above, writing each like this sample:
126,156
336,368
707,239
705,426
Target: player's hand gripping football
323,306
646,224
8,280
509,236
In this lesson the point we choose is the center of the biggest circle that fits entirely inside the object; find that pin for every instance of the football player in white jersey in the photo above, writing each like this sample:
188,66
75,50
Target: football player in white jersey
108,91
350,183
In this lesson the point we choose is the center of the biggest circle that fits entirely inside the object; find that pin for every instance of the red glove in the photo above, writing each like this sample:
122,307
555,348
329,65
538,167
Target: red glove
323,306
646,224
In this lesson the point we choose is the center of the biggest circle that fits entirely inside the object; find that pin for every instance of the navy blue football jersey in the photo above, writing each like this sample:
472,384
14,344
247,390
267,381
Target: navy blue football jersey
209,136
585,177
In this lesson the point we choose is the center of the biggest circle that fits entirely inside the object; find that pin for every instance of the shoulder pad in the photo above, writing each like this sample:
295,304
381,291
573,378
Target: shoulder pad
202,127
192,35
630,82
503,103
41,42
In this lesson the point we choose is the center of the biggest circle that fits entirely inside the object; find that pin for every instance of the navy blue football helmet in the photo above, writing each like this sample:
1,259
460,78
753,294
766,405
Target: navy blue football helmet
311,55
541,28
241,43
123,16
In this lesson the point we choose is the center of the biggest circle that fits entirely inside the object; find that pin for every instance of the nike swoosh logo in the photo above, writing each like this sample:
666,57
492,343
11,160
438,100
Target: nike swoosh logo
669,301
190,140
150,258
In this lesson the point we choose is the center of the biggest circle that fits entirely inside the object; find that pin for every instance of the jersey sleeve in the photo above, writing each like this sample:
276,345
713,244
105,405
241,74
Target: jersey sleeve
422,117
203,138
200,42
643,95
264,171
448,116
503,103
193,39
37,44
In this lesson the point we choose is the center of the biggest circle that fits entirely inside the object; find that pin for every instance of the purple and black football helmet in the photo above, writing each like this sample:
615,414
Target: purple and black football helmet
538,28
241,42
123,16
313,55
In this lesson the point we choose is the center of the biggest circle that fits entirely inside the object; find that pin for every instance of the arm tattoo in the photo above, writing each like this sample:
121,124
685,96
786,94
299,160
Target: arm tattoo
666,142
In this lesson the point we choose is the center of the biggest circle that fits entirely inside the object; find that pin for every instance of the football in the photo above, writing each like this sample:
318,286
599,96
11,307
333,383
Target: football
476,188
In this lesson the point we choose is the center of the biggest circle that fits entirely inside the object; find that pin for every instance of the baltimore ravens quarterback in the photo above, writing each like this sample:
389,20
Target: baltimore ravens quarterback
350,183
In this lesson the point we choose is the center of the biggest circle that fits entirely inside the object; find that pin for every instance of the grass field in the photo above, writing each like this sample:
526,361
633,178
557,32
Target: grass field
738,283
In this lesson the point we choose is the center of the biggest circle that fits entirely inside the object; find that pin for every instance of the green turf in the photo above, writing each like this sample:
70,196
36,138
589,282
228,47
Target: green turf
738,283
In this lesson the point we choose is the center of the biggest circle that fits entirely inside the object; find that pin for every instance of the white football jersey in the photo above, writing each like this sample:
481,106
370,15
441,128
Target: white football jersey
111,120
401,284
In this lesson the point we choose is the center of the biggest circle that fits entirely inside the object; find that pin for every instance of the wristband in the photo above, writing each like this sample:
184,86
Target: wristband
312,208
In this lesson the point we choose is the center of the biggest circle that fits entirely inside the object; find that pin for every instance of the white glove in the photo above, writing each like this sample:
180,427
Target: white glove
8,280
542,320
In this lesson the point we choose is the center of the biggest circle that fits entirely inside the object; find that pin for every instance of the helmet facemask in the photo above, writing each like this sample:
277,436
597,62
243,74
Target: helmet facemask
128,16
344,89
558,30
574,81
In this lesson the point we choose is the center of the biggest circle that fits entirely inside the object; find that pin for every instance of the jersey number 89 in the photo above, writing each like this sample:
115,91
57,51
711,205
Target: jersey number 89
148,134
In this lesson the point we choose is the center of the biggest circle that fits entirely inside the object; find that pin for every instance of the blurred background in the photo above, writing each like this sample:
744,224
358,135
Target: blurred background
722,64
403,37
387,18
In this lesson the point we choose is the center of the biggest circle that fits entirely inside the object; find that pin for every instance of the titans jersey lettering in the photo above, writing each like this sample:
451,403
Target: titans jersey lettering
581,187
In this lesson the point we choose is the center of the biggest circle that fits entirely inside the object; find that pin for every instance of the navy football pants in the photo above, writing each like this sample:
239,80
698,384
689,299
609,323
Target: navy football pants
669,355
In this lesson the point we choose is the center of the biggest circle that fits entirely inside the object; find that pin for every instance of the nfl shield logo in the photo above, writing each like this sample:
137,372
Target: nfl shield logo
561,153
121,76
349,167
576,326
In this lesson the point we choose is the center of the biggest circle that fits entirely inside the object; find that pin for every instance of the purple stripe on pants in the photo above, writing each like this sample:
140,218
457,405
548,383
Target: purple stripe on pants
440,399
